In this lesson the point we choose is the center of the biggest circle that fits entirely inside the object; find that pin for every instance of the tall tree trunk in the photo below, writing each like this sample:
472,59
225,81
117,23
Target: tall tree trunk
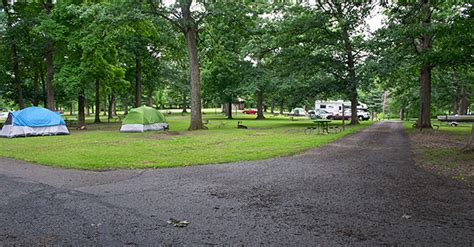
105,105
111,105
196,115
461,98
272,106
352,78
402,113
125,105
424,117
190,32
138,81
15,59
49,74
49,53
81,118
150,98
184,98
97,101
17,80
36,98
43,85
229,109
71,108
260,104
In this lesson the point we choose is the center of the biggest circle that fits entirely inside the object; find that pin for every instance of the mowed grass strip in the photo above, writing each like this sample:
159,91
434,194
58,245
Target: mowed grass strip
102,146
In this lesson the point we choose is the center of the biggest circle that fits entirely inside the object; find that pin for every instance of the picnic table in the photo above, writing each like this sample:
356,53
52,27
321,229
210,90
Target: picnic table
321,126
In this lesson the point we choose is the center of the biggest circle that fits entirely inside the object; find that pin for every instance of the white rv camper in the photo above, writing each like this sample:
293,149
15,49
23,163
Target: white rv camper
336,106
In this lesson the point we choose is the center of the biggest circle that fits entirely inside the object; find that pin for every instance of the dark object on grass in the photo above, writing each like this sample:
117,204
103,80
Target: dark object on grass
240,126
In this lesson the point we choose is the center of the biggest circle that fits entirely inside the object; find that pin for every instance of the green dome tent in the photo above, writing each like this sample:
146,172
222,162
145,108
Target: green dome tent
142,119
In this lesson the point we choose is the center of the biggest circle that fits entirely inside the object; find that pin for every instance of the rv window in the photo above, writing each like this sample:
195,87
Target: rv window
322,106
340,108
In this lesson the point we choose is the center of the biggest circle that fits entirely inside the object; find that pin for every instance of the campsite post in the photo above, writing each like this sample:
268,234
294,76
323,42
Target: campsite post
343,118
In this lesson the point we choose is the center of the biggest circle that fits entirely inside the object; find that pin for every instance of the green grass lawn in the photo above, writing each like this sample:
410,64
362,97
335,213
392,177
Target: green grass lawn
102,146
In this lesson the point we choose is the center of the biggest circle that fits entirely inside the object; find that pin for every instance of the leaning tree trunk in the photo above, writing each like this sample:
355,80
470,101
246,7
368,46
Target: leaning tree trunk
196,116
138,81
97,101
81,118
260,104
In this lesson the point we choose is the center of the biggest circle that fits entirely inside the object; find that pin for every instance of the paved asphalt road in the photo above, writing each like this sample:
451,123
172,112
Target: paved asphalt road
360,190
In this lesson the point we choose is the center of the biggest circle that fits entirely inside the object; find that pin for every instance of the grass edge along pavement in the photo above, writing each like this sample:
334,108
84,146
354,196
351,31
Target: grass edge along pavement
103,147
440,151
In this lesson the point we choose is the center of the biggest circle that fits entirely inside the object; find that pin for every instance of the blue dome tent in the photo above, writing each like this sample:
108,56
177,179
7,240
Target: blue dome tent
34,121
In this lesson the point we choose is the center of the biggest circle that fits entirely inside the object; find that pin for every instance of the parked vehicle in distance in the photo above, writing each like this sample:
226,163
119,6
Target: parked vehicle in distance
298,112
338,116
320,114
362,115
249,111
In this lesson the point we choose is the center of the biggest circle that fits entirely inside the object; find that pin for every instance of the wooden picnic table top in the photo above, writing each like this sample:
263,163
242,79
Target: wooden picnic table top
322,121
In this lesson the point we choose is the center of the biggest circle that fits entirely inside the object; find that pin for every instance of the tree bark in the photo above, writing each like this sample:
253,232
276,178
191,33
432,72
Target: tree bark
424,117
272,106
229,109
105,105
125,105
97,101
43,86
183,94
260,104
463,103
111,105
402,113
36,98
190,32
282,107
15,59
81,118
49,74
138,81
150,98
